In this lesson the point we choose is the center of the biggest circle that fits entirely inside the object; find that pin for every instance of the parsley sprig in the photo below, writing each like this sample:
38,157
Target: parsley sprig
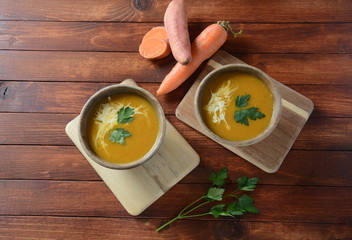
242,101
252,113
119,135
124,115
241,116
241,204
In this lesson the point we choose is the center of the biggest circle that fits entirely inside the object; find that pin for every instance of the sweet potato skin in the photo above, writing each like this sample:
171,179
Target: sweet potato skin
175,22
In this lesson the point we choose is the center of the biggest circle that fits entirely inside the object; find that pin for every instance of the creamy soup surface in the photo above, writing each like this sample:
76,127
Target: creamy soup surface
140,131
219,106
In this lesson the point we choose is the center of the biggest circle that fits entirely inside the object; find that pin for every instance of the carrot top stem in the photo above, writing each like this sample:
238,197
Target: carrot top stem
227,26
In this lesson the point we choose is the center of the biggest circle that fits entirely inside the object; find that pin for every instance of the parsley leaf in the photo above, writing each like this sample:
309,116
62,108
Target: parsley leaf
242,101
247,184
242,204
215,193
124,115
119,135
218,179
232,209
217,211
252,113
246,204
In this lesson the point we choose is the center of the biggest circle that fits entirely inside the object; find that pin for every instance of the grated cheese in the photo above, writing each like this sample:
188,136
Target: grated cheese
219,102
106,118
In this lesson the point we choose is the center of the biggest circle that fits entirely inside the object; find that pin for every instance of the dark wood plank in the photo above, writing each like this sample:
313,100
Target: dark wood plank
326,97
317,134
57,97
256,38
44,129
329,168
153,10
44,162
314,135
276,203
48,129
114,67
119,228
80,66
324,168
303,68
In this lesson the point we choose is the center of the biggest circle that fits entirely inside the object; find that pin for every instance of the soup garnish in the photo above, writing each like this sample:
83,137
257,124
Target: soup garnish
237,106
123,128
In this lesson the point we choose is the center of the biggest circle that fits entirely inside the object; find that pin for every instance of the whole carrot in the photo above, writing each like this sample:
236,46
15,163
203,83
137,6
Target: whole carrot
175,21
203,47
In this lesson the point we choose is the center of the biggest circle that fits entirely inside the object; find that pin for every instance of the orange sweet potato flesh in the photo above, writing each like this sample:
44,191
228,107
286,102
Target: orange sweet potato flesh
155,44
156,32
154,48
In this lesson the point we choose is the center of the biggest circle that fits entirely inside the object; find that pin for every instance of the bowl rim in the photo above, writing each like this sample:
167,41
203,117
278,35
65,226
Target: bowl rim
108,91
239,67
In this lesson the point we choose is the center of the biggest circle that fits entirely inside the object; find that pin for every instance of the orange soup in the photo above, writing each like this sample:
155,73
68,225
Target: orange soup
123,128
237,106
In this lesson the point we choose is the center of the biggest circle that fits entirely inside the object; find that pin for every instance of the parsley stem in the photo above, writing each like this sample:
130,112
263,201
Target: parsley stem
180,215
199,205
183,215
169,222
196,215
188,206
232,194
243,204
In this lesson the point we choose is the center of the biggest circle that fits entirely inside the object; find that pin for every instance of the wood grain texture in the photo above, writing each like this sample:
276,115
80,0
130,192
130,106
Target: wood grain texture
119,228
70,198
153,10
44,162
303,68
269,153
137,188
256,38
80,66
111,67
50,97
48,129
330,168
68,49
317,134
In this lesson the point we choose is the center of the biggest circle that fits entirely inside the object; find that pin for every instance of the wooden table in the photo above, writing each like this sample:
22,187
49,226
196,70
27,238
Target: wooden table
55,54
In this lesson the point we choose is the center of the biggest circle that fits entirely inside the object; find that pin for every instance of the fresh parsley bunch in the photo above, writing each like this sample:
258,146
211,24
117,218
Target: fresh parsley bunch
241,204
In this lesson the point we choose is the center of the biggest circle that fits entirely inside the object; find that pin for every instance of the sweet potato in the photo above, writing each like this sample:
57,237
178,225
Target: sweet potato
156,32
175,21
155,44
154,48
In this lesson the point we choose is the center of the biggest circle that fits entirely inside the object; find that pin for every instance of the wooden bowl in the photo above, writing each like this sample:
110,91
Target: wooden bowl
251,71
103,94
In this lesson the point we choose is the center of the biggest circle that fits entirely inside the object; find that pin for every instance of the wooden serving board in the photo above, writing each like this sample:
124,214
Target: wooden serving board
269,153
139,187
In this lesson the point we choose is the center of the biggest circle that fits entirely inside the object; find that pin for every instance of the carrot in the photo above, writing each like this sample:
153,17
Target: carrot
156,32
175,21
154,48
203,47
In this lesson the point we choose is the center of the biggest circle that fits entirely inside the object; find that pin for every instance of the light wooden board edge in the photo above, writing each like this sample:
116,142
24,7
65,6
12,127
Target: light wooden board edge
139,187
296,108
